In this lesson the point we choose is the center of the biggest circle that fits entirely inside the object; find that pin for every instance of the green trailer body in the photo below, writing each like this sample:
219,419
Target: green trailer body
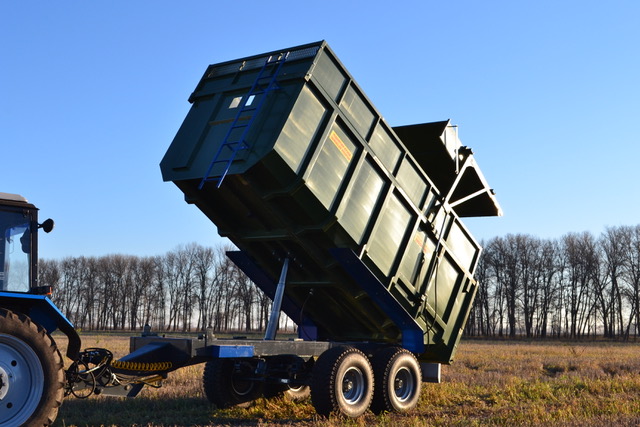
287,156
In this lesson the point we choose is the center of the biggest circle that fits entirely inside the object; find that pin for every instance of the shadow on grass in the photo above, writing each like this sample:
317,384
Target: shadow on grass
141,411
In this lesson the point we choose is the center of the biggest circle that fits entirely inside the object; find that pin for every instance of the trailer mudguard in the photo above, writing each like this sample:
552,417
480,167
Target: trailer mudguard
44,312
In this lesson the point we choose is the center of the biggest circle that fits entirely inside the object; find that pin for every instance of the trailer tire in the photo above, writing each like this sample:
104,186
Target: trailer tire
288,368
227,383
398,378
297,393
342,382
31,372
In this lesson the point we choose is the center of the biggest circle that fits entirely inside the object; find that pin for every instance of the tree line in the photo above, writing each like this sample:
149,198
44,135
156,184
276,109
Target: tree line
190,288
576,286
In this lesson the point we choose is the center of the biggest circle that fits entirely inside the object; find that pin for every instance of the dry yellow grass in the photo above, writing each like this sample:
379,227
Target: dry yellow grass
491,383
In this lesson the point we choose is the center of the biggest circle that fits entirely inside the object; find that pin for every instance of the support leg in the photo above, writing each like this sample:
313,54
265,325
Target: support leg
274,317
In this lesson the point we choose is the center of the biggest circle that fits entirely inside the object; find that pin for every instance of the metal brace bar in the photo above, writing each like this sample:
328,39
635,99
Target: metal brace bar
274,317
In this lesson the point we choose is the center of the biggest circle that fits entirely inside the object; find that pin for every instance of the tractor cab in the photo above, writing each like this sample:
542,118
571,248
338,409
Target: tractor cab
19,245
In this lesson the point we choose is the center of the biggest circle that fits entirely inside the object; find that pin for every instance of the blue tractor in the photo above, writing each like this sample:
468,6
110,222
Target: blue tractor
32,377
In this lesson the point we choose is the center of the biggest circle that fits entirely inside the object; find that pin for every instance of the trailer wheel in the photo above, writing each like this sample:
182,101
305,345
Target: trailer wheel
342,382
284,366
31,373
229,382
297,393
399,380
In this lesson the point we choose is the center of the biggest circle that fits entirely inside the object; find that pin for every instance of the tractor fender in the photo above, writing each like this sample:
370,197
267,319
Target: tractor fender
44,312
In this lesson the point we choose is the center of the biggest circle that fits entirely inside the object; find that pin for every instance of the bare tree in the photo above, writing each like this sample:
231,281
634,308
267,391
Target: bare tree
479,318
614,243
503,259
203,264
245,295
156,312
49,273
632,264
528,258
579,250
548,271
143,277
171,275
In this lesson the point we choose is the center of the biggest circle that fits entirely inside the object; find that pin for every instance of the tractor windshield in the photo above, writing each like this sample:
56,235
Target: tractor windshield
15,251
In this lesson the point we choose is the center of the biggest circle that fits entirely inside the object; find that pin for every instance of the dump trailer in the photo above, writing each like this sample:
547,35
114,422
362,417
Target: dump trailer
350,225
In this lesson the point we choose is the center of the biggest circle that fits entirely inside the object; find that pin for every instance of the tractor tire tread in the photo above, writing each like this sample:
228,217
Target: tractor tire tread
24,328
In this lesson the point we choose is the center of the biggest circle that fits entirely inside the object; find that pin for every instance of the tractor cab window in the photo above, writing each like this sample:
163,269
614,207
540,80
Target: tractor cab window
15,251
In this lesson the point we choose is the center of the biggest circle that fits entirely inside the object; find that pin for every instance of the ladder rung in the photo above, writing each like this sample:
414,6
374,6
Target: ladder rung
271,67
243,146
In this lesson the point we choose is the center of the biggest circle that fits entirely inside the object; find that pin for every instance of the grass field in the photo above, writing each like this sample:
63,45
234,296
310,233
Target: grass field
491,383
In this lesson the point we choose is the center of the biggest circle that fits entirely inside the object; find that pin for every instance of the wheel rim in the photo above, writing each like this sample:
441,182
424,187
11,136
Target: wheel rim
353,385
239,383
22,382
403,384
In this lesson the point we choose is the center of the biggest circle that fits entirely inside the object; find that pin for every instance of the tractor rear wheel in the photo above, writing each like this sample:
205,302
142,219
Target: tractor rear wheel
31,373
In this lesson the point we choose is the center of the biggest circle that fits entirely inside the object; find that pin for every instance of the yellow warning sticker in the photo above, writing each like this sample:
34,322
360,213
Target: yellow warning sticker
333,136
418,239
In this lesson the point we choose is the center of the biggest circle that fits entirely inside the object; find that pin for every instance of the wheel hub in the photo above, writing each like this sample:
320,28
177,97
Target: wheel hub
4,383
404,385
21,380
353,385
240,382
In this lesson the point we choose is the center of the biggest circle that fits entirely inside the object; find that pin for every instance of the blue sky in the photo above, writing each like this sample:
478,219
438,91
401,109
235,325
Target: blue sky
92,93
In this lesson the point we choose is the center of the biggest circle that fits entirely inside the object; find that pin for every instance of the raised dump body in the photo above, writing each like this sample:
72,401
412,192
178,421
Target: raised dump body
288,158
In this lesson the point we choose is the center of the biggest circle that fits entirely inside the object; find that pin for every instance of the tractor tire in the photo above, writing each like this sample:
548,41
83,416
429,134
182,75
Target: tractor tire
342,382
398,378
31,373
227,383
